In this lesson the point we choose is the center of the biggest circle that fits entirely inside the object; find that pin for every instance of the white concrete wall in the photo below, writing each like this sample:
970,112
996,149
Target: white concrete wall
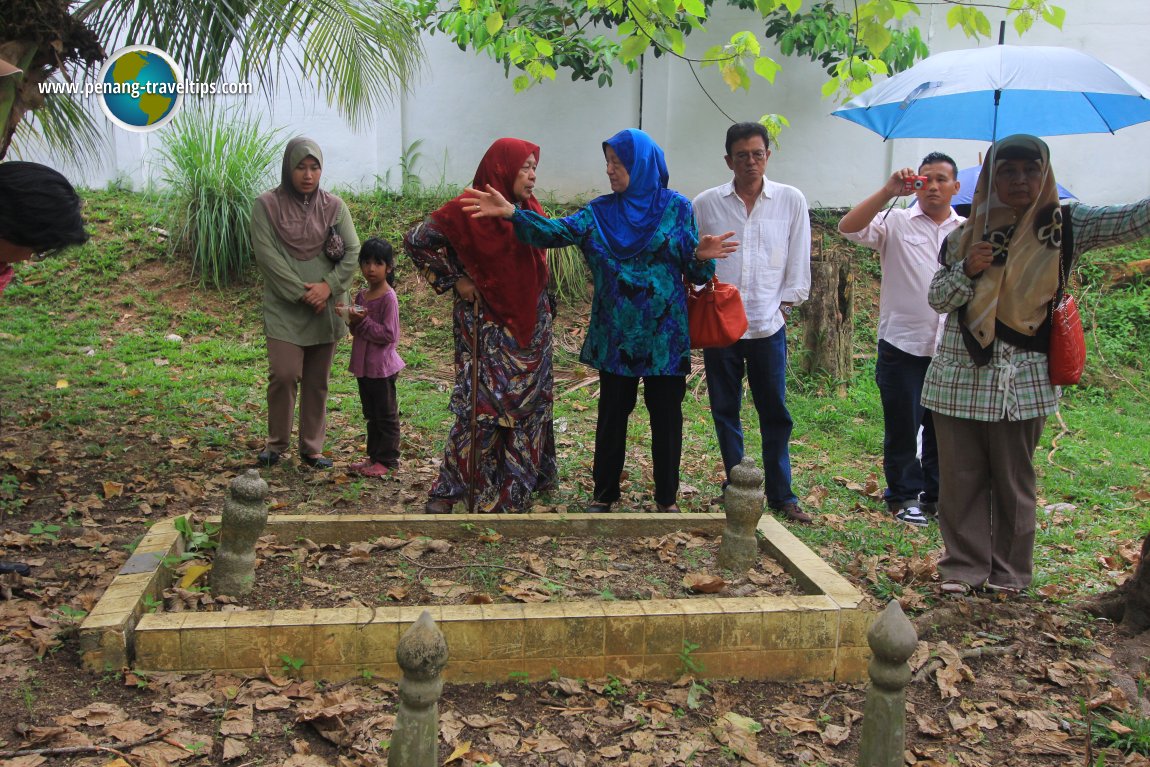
462,102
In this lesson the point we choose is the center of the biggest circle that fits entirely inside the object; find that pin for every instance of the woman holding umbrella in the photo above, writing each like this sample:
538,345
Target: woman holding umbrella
989,384
501,448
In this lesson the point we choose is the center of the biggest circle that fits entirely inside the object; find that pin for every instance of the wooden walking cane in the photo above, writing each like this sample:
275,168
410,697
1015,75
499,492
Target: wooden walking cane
472,456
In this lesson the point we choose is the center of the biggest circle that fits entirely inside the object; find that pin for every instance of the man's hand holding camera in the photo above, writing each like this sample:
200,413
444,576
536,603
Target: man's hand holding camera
904,182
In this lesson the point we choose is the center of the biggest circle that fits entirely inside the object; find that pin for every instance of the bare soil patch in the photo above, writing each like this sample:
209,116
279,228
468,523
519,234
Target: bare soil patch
489,568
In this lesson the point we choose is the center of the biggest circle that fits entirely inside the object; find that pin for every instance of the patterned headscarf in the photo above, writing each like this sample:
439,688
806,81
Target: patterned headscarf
627,220
510,275
301,221
1016,290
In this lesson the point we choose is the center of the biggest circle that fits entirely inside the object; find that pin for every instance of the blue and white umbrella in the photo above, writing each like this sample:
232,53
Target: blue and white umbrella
985,93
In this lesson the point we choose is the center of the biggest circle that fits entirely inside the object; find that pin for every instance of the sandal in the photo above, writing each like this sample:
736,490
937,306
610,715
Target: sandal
1007,592
374,470
599,508
438,506
672,509
955,588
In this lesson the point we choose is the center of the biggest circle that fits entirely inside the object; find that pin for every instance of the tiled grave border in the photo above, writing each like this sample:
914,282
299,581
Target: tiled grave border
818,636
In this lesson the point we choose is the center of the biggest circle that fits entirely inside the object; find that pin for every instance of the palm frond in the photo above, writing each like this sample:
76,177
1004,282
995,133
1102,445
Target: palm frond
356,53
63,127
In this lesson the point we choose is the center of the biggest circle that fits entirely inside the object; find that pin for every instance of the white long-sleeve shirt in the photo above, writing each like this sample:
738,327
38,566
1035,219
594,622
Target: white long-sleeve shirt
773,263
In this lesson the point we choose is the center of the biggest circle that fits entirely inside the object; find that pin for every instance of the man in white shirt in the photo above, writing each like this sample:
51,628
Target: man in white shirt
908,241
772,270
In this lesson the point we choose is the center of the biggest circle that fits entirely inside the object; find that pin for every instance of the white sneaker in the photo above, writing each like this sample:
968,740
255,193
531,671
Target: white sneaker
911,514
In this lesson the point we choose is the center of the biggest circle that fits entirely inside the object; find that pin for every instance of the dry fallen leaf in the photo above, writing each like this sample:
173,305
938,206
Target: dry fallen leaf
113,489
703,583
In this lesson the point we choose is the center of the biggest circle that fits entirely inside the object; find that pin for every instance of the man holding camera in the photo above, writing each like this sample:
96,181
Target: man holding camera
908,241
772,270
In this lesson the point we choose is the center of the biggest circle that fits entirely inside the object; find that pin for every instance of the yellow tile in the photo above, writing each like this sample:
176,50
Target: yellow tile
377,642
465,639
500,670
782,630
503,638
854,625
583,667
742,630
249,618
122,605
586,635
819,628
201,649
796,665
663,634
628,666
297,642
158,650
538,669
249,647
335,644
387,672
704,628
465,672
851,664
288,618
624,635
544,637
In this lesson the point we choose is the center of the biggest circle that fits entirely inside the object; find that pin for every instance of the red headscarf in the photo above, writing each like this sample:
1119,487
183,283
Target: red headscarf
510,275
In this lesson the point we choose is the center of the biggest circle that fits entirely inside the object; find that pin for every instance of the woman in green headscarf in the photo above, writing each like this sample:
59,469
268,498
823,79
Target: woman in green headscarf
307,250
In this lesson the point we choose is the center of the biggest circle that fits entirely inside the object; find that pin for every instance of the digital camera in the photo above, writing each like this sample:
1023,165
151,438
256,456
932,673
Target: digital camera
912,184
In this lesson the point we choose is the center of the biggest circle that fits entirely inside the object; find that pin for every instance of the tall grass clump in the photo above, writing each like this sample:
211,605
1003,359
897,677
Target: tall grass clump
214,165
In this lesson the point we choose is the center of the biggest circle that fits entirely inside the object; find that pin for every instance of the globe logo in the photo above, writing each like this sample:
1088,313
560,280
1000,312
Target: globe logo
140,88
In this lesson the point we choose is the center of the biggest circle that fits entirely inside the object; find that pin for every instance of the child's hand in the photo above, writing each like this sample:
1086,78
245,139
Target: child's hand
355,314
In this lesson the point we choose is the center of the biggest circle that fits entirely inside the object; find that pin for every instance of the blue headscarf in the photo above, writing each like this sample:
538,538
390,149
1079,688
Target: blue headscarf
628,220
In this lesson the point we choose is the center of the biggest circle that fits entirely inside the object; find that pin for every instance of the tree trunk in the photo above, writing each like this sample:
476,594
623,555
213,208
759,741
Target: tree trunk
1129,604
828,316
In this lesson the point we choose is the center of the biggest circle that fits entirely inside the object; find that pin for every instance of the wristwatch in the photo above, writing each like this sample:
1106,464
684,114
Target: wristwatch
786,309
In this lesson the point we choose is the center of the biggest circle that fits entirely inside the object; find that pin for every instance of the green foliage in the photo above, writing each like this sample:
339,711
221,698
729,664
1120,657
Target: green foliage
1130,736
853,44
290,665
196,540
215,164
44,532
570,277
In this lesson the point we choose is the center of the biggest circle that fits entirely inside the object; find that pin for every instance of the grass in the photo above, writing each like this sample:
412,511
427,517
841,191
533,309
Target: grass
85,335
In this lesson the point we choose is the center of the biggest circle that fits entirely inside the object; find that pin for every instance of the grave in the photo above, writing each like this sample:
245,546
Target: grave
820,635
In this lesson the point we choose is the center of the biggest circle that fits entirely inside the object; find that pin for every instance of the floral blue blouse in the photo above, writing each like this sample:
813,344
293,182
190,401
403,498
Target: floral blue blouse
639,312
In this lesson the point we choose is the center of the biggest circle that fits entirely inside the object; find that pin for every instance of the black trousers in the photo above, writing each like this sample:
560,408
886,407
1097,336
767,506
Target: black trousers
381,409
663,396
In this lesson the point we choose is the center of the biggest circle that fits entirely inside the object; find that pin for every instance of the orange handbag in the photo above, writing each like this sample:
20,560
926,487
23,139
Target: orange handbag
715,315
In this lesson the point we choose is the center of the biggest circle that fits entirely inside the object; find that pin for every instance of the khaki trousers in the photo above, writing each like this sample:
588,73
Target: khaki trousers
986,501
306,368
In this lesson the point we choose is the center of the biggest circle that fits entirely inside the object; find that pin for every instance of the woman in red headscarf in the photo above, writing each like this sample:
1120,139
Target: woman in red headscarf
501,300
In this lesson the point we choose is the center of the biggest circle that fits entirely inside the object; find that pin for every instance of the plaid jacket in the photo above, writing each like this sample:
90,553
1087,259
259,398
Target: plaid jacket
1015,385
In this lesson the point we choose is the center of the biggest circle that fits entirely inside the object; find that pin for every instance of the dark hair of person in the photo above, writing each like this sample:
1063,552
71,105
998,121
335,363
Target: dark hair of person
379,251
938,157
39,209
740,131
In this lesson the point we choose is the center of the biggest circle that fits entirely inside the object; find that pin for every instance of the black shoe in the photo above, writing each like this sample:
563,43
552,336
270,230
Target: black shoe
268,458
316,461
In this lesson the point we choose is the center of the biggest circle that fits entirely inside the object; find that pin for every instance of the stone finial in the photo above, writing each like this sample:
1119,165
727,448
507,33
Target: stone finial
892,641
242,523
743,504
422,654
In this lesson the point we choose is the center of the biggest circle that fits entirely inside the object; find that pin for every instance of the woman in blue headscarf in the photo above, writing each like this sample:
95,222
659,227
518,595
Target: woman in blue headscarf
640,241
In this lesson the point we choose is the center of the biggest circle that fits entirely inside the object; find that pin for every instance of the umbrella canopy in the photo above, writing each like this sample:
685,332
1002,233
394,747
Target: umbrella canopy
968,178
984,93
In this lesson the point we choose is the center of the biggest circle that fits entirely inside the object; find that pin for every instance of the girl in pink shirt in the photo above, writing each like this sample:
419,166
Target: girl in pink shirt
374,321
